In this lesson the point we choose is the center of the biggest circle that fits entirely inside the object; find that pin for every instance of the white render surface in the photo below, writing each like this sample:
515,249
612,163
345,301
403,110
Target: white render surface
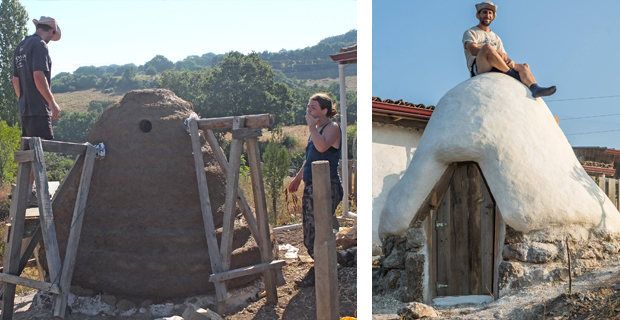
527,161
392,150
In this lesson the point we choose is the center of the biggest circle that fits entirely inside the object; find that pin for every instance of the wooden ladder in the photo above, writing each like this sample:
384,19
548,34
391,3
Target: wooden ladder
246,128
31,156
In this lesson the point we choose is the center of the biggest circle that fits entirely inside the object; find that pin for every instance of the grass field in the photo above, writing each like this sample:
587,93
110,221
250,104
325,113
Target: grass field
78,101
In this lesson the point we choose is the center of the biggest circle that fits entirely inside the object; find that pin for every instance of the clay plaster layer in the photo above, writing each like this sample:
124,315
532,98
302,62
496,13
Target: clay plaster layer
529,165
392,150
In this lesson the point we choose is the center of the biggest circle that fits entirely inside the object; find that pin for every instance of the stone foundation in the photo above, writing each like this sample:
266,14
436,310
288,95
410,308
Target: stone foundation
532,258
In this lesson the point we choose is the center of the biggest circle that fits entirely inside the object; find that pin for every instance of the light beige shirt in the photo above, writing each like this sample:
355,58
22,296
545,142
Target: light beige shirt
480,38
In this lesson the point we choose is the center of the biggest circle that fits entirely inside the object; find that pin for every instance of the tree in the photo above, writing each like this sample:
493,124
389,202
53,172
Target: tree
13,19
9,143
160,63
74,127
276,162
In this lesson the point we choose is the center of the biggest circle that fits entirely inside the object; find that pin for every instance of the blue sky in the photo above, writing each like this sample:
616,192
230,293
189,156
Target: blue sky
418,55
119,32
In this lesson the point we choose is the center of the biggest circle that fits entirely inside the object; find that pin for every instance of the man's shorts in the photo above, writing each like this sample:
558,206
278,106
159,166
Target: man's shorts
37,126
474,72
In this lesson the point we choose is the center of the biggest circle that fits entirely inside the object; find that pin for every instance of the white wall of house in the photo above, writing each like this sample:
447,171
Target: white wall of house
392,149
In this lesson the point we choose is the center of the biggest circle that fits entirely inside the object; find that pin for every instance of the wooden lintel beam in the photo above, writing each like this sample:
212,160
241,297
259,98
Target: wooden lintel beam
251,121
237,273
23,156
43,286
247,133
62,147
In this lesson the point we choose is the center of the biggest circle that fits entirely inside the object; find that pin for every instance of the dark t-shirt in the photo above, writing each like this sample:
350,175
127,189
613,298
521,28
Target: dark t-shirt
32,55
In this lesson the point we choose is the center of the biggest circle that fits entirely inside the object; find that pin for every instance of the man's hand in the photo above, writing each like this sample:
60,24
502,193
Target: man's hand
55,110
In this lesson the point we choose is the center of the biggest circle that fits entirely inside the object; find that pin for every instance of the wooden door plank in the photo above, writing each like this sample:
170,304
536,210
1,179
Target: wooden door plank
17,219
230,206
612,191
207,216
260,203
440,188
46,216
74,234
241,201
325,262
444,245
459,284
487,228
474,197
498,247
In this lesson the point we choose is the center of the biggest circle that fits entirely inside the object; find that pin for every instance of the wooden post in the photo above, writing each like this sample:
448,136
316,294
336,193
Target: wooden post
46,217
230,206
325,262
207,217
17,219
242,202
612,191
260,203
74,233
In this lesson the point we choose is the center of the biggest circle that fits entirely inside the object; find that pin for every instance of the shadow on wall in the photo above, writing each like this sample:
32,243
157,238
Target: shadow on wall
378,202
594,190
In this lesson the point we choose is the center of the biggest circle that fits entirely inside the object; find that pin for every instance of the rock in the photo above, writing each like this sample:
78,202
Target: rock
79,291
125,305
396,260
173,318
535,252
109,299
195,313
146,304
416,310
414,277
391,280
393,243
415,239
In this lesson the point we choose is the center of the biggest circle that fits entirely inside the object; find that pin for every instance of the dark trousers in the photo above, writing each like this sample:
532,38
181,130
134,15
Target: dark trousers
307,203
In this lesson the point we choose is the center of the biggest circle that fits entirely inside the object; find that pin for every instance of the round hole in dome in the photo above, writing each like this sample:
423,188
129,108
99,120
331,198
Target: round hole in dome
145,126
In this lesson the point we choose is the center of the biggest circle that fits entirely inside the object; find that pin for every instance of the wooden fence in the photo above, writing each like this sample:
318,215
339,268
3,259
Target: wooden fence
610,187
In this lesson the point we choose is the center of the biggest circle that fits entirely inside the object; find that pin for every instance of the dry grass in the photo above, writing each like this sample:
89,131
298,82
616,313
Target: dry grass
350,82
30,273
78,100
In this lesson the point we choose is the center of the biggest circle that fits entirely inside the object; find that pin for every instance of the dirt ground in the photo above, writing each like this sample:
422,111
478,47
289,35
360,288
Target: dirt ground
293,302
594,295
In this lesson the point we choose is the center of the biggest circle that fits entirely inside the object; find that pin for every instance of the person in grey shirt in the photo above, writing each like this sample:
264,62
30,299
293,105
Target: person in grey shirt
485,52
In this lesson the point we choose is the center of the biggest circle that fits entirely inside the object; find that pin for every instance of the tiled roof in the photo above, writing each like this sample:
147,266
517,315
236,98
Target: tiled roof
346,55
403,103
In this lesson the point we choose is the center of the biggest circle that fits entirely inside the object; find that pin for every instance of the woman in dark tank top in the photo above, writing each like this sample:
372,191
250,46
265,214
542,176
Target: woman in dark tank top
324,144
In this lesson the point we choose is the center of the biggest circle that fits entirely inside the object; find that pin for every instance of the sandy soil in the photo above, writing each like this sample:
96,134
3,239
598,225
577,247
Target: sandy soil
595,295
293,302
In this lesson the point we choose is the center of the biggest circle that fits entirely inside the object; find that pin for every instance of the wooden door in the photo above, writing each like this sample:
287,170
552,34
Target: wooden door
463,236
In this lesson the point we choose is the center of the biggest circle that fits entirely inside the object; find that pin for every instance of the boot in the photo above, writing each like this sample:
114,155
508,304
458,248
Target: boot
538,91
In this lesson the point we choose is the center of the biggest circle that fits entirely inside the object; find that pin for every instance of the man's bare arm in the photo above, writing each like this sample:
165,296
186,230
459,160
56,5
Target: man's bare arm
16,85
41,82
473,48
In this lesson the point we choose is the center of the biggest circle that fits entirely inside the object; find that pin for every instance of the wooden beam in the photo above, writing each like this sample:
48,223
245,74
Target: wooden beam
39,285
46,216
62,147
260,203
325,261
60,193
230,206
23,156
17,219
236,273
247,133
257,120
75,231
500,235
207,216
242,202
440,189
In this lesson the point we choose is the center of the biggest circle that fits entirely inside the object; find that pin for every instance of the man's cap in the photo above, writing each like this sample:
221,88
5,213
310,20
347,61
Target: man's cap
486,5
50,22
